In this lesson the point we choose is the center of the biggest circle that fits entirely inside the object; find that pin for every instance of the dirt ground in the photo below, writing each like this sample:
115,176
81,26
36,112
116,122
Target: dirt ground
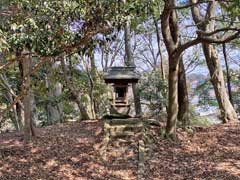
71,151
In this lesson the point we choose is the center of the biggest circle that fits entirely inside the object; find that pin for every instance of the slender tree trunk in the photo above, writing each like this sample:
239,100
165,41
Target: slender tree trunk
14,116
130,62
228,74
160,50
183,101
16,120
20,114
10,95
93,78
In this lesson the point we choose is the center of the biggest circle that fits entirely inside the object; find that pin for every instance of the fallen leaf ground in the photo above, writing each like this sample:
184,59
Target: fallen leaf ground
71,152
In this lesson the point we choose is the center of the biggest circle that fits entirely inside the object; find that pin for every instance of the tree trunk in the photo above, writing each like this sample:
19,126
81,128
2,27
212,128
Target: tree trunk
10,95
217,79
203,23
14,116
17,124
172,99
130,62
93,79
183,101
54,108
170,32
28,128
160,50
20,114
19,105
73,90
228,74
34,112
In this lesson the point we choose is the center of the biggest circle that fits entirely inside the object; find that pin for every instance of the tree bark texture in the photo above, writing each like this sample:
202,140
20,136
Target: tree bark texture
203,23
183,101
93,79
10,96
171,37
229,86
160,50
130,62
54,108
28,127
217,79
172,100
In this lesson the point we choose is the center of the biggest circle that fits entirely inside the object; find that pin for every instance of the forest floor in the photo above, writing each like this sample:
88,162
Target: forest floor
71,151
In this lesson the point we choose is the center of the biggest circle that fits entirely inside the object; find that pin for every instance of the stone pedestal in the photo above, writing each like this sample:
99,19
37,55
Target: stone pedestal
120,110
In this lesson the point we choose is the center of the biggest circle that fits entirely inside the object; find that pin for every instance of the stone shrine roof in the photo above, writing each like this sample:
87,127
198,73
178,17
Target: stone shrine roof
121,75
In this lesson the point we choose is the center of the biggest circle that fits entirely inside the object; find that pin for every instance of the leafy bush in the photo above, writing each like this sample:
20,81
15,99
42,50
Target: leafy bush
196,120
203,91
153,92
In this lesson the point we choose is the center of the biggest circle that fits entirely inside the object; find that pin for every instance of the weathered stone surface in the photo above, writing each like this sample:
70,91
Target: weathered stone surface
121,74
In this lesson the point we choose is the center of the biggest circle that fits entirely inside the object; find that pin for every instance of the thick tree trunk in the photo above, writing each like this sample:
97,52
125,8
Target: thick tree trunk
28,127
130,62
217,79
203,23
34,112
172,100
19,105
183,101
177,94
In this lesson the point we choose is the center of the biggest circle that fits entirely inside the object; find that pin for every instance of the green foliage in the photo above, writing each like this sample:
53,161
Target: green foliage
233,7
140,10
153,91
200,121
203,91
68,108
196,120
100,95
51,27
235,79
47,27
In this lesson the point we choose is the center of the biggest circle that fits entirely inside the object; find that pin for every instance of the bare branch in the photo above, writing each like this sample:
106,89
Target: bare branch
222,40
200,32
